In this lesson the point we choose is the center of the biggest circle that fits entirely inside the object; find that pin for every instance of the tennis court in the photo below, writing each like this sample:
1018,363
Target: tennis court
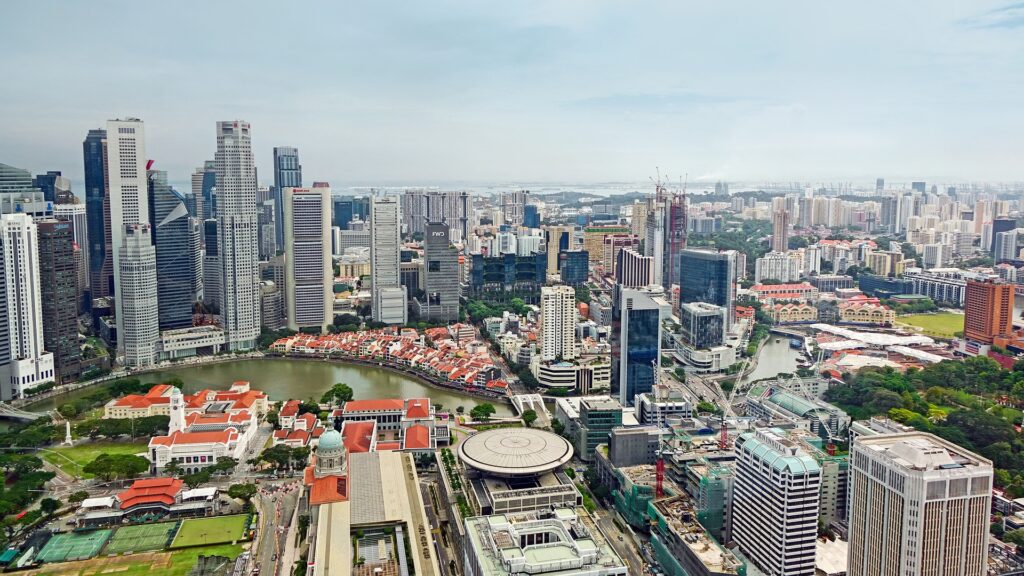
141,538
213,530
73,546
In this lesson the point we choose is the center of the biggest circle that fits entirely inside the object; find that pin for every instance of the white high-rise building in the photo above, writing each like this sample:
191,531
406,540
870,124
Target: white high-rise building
237,235
775,503
139,321
128,192
777,266
919,505
23,362
307,244
390,301
557,323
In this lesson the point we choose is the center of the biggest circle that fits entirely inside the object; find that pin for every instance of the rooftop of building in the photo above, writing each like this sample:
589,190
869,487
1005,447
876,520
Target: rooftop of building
781,453
681,519
921,451
515,451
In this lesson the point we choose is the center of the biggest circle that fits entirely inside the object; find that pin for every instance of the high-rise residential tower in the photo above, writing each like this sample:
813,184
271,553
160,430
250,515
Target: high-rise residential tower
440,275
173,235
919,505
557,323
780,231
287,174
237,235
139,317
28,364
513,205
309,289
389,296
58,282
988,310
775,500
101,258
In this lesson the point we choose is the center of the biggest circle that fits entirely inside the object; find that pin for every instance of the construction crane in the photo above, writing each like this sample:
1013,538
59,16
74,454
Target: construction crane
723,433
659,477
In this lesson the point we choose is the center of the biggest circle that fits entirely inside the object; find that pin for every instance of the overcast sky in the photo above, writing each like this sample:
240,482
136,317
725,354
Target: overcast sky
515,91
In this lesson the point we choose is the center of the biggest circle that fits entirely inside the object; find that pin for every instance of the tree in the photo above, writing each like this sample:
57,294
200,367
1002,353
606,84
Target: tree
117,466
242,491
172,468
225,464
482,412
529,417
49,506
274,419
1014,537
338,394
460,409
78,496
196,479
68,410
583,294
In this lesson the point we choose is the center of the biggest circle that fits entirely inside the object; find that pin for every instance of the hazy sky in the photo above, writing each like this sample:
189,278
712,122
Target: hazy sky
515,91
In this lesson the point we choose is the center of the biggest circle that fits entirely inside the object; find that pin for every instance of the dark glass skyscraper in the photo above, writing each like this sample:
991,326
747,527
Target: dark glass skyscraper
287,174
531,216
636,342
55,187
97,213
708,276
440,275
173,235
59,295
341,215
575,267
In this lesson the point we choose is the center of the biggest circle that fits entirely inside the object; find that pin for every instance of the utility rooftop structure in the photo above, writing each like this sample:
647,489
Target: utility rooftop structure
513,452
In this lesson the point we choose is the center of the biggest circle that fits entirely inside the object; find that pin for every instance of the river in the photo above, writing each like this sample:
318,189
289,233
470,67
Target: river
776,356
284,379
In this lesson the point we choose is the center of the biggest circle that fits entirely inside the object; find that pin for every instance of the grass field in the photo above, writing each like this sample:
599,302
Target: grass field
177,563
140,538
73,546
214,530
942,325
87,452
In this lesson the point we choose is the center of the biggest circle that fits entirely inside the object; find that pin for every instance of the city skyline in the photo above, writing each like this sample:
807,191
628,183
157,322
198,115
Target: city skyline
537,93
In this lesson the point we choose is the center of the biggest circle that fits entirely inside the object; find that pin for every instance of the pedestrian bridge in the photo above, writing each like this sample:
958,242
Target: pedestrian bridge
524,402
8,411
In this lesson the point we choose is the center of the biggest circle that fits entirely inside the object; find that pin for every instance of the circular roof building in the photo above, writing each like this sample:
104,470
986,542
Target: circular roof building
509,452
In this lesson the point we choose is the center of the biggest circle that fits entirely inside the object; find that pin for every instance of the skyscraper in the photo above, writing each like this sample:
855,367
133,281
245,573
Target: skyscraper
513,205
440,275
709,277
531,216
138,323
574,267
97,209
988,310
919,505
172,233
29,365
310,281
389,297
780,231
76,214
287,174
211,265
58,282
127,187
636,341
342,213
237,235
56,188
775,503
557,323
204,180
1000,225
634,270
702,324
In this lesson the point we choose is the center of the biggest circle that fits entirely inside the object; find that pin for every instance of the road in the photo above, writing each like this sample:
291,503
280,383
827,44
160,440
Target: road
428,484
622,542
277,503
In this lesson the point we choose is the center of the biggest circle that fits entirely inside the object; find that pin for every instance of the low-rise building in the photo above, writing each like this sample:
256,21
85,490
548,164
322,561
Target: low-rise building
410,422
866,313
584,375
683,547
792,312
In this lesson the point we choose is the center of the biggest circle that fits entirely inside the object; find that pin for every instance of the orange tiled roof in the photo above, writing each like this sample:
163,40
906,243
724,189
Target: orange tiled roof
417,437
220,436
418,408
376,404
149,491
358,436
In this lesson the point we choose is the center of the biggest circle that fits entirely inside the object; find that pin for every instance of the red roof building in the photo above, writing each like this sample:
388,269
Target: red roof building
150,491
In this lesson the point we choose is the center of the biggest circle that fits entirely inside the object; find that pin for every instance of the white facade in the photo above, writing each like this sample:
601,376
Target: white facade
139,320
237,235
75,213
776,266
390,301
557,323
775,503
127,193
918,505
29,365
309,294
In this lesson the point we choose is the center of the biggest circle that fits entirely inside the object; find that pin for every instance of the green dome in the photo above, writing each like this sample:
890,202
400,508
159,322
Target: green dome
330,440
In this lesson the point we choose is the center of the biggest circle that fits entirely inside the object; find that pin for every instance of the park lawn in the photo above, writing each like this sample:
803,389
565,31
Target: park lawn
177,563
86,452
213,530
943,324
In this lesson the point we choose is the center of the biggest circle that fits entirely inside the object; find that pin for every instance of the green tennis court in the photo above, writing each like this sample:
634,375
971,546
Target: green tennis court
141,538
73,546
213,530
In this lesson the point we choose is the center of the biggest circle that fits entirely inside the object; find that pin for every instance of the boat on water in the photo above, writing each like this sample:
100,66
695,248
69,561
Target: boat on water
795,343
777,340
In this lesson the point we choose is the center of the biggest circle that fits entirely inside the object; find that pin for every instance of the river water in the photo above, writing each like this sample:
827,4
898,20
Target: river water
284,379
776,356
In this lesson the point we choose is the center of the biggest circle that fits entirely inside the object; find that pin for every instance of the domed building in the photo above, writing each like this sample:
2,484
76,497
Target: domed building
331,457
